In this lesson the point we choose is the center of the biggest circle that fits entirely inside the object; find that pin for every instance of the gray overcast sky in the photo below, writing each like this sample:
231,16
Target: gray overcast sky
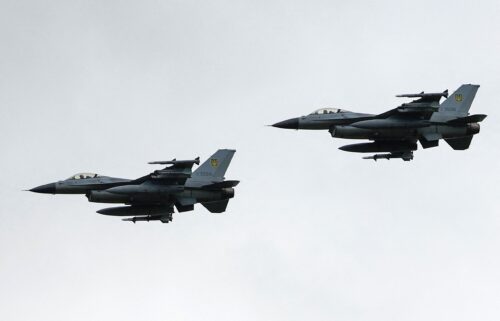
313,233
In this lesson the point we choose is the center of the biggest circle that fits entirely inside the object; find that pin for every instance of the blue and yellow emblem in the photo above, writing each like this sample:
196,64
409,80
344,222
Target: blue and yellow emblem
214,162
458,97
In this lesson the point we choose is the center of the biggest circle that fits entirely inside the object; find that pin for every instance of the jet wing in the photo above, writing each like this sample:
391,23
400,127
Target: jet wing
177,173
426,97
423,111
422,108
178,163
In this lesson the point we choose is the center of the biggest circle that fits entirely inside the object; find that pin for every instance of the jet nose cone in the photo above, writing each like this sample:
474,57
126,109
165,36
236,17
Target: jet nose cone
47,189
292,123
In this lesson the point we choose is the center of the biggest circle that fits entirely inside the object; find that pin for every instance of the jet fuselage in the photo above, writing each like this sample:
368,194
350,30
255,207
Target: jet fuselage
398,130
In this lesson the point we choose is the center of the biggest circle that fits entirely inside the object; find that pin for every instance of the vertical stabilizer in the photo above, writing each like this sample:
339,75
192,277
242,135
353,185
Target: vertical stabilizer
457,105
214,168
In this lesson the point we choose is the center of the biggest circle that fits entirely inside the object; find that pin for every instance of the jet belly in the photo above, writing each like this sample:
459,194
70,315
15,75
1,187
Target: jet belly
107,197
146,189
443,131
350,132
144,193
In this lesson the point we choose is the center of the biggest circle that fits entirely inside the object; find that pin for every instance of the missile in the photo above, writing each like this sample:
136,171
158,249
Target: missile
177,162
106,197
407,156
379,156
425,95
162,218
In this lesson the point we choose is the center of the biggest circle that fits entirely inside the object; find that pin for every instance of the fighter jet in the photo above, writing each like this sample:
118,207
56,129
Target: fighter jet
153,197
397,131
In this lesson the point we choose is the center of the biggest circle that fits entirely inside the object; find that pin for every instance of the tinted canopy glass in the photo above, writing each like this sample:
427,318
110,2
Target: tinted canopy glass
324,111
83,176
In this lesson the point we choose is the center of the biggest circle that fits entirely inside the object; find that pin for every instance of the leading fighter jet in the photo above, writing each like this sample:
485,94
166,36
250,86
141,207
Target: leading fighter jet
397,131
153,197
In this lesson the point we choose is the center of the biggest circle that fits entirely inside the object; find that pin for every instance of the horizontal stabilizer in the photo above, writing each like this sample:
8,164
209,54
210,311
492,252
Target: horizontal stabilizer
224,184
216,207
461,143
467,120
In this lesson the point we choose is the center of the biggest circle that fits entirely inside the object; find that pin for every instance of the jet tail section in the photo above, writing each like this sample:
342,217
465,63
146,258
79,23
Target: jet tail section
214,168
461,143
216,207
457,105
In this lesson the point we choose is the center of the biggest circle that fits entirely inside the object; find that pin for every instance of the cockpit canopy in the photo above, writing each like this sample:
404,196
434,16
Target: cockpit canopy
325,111
83,176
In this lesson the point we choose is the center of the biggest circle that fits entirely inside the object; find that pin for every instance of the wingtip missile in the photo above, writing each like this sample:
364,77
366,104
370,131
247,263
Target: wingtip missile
424,95
378,156
177,162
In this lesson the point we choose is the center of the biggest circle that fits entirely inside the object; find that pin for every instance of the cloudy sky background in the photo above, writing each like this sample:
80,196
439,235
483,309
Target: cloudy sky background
313,232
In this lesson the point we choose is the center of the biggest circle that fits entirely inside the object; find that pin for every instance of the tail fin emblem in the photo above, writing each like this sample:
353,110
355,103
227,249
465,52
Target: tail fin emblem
214,162
458,97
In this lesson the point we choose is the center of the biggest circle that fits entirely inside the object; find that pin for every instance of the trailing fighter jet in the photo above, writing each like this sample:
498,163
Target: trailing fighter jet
153,197
397,131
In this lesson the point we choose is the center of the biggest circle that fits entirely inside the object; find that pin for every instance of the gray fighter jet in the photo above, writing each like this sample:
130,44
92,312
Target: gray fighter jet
153,197
397,131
